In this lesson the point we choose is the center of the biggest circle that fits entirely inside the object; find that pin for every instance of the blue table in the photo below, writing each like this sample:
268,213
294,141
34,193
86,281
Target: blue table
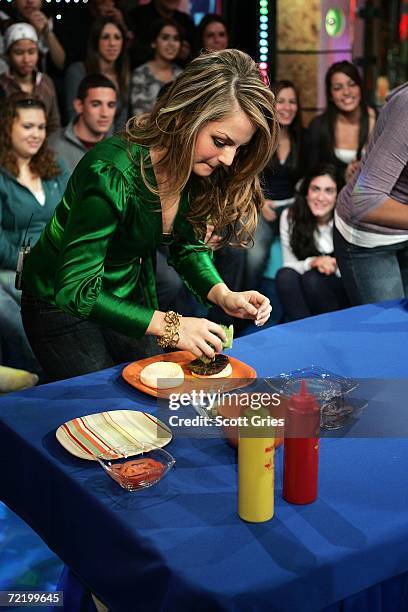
181,544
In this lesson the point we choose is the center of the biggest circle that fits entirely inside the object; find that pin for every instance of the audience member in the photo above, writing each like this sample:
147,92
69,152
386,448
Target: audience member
29,11
109,8
148,79
213,33
21,46
280,178
371,235
73,28
139,20
340,134
95,105
309,283
31,184
107,55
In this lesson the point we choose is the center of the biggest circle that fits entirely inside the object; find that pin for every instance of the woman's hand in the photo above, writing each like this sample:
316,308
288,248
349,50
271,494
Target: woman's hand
39,21
325,264
351,169
268,211
196,335
246,305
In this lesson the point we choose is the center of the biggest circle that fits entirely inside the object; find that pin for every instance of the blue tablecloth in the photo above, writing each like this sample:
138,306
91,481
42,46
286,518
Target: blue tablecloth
181,545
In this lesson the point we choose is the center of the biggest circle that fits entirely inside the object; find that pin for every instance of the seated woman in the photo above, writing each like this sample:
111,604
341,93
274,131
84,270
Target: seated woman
149,78
340,134
309,283
279,178
106,54
31,12
213,33
21,47
31,185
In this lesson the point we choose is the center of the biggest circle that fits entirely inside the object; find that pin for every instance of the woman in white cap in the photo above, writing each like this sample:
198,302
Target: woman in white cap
31,11
21,48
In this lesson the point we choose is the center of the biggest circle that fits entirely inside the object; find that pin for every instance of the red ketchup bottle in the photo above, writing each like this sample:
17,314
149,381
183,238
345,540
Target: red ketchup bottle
301,450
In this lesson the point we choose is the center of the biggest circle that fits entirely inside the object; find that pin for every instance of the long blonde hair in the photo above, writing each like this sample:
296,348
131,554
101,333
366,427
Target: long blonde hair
209,89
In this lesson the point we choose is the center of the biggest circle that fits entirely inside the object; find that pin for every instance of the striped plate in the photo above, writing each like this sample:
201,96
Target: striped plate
94,434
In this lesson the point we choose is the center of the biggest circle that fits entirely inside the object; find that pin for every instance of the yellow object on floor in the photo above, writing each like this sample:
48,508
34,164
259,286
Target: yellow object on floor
16,380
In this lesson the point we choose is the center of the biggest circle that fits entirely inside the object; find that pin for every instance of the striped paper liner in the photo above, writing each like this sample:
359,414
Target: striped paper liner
94,434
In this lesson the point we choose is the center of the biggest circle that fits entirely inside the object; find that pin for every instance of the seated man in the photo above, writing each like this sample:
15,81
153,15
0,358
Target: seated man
95,105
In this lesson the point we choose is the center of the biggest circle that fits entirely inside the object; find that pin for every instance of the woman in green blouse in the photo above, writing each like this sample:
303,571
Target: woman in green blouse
89,298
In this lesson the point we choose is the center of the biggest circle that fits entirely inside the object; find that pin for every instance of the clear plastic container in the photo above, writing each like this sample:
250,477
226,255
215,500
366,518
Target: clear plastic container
330,390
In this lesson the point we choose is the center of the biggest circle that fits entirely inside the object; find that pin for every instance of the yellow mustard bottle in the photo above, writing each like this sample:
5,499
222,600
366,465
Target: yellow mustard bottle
256,467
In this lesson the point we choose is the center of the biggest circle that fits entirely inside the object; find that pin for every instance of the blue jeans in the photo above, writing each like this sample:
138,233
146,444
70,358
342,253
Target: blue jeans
372,275
67,346
15,350
258,254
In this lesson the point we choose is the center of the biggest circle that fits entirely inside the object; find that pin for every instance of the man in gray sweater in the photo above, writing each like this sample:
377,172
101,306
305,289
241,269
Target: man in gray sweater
95,106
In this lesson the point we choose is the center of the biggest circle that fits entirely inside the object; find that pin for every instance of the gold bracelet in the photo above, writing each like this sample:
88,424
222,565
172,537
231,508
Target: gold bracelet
171,334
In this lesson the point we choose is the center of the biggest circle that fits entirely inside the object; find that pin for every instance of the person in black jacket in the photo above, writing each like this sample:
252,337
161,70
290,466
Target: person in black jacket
279,179
339,135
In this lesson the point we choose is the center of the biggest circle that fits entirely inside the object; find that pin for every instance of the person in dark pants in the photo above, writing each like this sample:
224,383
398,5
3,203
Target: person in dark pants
192,159
309,283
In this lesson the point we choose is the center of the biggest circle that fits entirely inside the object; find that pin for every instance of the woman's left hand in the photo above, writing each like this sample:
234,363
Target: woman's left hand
247,305
351,169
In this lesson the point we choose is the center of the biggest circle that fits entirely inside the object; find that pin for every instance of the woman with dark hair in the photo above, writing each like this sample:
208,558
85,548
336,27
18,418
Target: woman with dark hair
309,282
106,54
31,184
213,33
149,79
279,178
340,134
90,298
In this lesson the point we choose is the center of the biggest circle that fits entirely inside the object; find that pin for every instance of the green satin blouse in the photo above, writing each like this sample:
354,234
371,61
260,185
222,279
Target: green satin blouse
96,257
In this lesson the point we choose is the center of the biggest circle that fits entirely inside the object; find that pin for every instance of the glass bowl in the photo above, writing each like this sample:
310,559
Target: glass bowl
136,466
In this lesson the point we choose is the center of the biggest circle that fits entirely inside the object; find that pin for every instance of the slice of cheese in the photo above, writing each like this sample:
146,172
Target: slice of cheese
162,375
227,371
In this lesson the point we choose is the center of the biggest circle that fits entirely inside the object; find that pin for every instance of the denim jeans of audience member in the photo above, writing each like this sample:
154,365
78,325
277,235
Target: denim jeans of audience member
67,346
372,274
15,349
258,255
308,294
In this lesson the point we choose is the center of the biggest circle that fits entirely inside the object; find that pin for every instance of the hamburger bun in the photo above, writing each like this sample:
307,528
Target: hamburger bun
162,375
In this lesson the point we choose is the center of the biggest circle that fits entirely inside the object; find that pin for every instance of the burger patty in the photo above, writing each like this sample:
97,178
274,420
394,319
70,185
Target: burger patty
209,369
